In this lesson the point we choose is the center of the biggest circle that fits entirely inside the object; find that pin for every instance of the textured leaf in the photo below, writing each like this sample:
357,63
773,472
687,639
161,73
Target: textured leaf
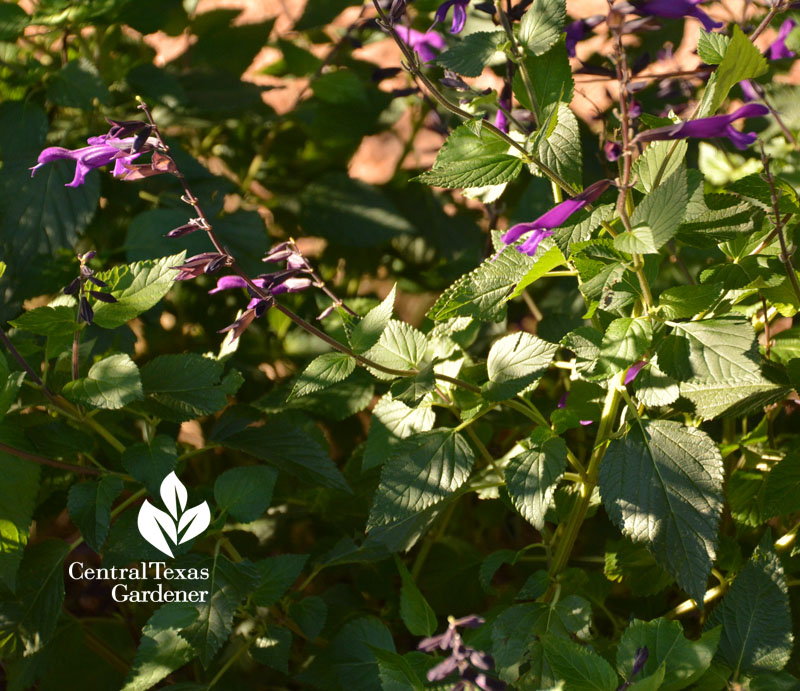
515,363
624,342
230,584
472,54
468,159
367,331
532,476
551,79
657,217
392,421
151,463
352,662
647,167
580,227
276,576
683,302
291,450
542,25
48,321
246,492
684,661
424,469
634,566
561,149
412,390
415,611
111,384
274,648
755,616
662,486
731,397
782,491
549,260
324,371
654,388
400,347
580,668
137,287
711,47
89,505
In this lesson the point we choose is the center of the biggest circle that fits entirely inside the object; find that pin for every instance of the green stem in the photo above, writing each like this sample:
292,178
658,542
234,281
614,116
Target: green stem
41,460
243,648
419,562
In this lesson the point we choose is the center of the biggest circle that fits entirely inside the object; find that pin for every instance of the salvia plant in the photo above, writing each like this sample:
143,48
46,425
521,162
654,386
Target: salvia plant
518,412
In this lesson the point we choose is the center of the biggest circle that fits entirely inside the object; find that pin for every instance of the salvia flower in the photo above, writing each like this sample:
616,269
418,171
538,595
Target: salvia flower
675,9
639,661
78,287
577,31
423,44
709,128
633,371
778,49
503,107
459,14
545,225
206,263
470,664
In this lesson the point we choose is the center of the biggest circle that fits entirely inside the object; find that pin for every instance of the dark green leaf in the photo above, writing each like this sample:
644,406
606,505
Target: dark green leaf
245,493
77,85
415,611
634,566
89,505
472,54
13,20
276,576
48,321
151,463
782,491
580,668
411,390
274,648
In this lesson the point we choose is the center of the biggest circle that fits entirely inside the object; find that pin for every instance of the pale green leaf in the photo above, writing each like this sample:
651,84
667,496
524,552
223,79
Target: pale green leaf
111,384
653,165
392,421
624,342
542,25
472,54
400,347
367,331
324,371
515,363
549,260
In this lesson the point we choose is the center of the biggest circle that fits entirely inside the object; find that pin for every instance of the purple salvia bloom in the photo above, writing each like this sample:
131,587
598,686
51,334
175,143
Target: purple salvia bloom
577,30
777,48
423,44
444,669
231,282
544,226
749,92
634,370
639,660
291,285
459,14
675,9
501,120
200,264
708,128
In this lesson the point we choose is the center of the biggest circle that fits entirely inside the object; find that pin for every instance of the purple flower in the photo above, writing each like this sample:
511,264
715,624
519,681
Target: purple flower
708,128
577,30
206,263
633,370
675,9
459,14
777,48
101,151
543,226
612,150
503,106
749,92
423,44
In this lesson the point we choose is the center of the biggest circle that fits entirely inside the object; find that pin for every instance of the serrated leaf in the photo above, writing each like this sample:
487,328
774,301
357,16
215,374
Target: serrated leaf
657,217
161,650
542,25
731,397
150,463
515,363
229,584
469,56
323,371
532,477
684,661
48,321
654,388
366,332
579,667
580,227
137,287
683,302
647,167
400,347
561,149
416,613
782,491
111,384
624,342
276,576
76,85
291,450
391,422
661,485
424,469
755,616
549,260
89,505
412,390
468,159
551,81
634,566
246,492
712,46
274,648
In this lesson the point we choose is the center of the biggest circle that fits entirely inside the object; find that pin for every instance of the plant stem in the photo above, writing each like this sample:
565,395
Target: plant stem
519,58
41,460
422,555
243,648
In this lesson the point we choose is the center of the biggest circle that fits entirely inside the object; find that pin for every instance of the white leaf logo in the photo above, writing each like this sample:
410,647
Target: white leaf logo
156,525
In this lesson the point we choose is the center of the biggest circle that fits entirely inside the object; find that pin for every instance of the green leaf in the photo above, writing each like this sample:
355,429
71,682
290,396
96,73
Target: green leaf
469,56
274,648
742,60
647,167
482,293
684,661
245,493
424,469
162,650
367,331
580,227
48,321
290,450
137,287
542,25
662,486
532,477
184,386
230,584
580,668
416,613
731,397
654,388
549,260
111,384
351,661
782,491
624,342
515,363
657,217
468,159
412,390
13,20
720,350
29,619
18,492
324,371
683,302
400,347
391,422
89,505
755,616
276,576
77,85
561,149
310,615
396,672
149,463
634,566
712,46
551,79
